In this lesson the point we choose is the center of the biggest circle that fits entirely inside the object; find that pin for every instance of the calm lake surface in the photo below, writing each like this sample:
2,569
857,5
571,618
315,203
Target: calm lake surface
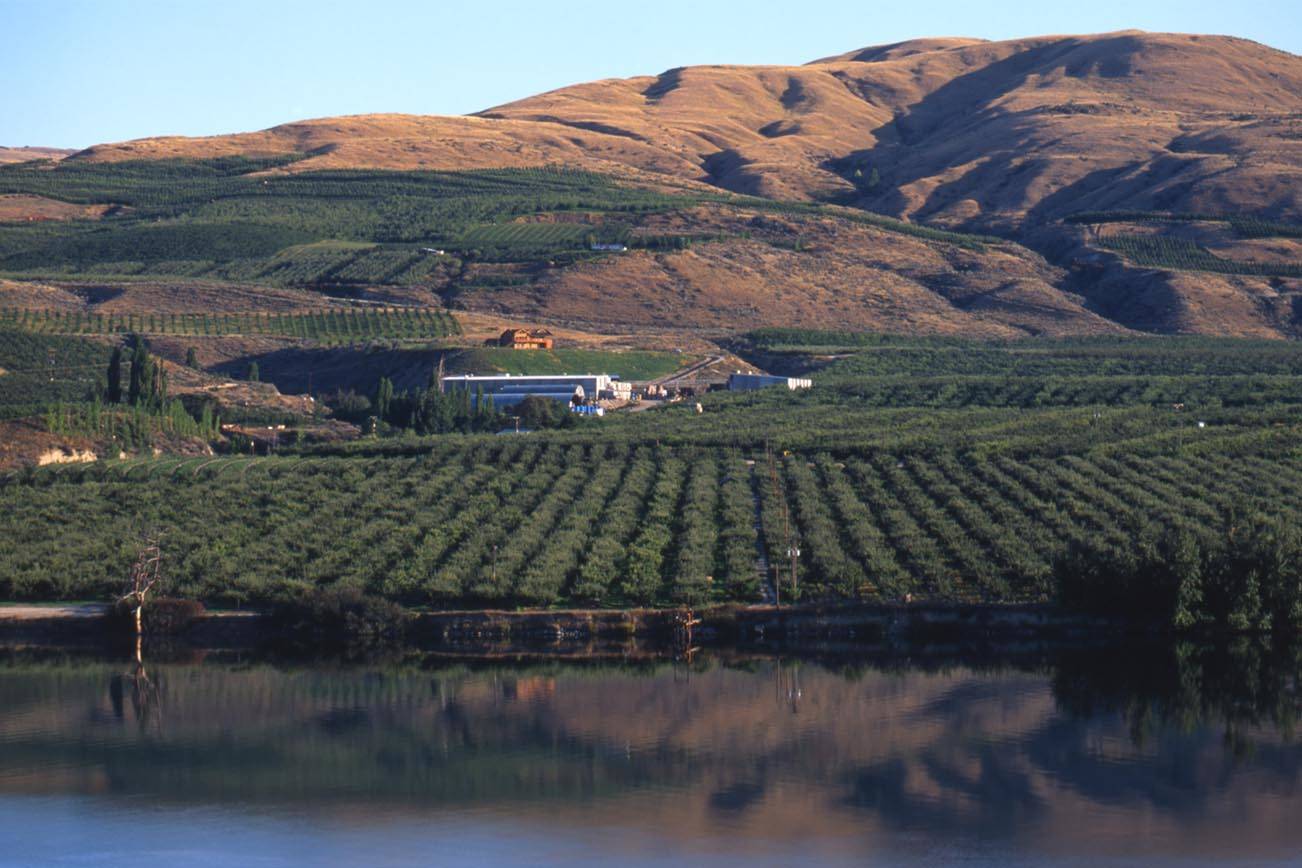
1126,757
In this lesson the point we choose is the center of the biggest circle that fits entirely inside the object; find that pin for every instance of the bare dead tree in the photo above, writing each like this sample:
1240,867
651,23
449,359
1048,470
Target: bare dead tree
146,575
146,698
145,578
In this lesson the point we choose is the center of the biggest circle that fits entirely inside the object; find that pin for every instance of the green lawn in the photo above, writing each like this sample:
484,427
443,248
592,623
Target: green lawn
627,364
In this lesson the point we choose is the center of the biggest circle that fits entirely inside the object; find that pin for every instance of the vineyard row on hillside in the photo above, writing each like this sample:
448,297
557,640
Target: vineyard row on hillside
538,522
330,325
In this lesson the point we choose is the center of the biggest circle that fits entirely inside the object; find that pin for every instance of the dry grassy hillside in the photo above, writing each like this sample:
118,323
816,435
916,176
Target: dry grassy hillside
958,130
1008,137
962,131
816,271
22,155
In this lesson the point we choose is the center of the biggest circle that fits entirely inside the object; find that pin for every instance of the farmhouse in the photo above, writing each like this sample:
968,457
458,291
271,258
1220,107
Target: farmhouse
524,339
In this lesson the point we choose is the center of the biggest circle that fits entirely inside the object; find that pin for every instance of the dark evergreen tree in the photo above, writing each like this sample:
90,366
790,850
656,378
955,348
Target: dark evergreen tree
157,396
113,390
384,398
465,410
139,376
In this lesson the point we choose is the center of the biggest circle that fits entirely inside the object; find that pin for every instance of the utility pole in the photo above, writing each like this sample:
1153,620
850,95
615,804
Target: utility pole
776,493
793,552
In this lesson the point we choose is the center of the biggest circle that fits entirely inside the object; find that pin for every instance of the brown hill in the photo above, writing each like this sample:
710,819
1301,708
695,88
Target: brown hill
815,271
985,133
22,155
997,136
958,130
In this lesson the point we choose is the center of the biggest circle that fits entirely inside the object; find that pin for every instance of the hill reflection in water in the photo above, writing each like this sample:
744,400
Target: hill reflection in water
1147,753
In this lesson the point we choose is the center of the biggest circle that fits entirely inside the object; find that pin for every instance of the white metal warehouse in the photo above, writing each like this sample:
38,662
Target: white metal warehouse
506,390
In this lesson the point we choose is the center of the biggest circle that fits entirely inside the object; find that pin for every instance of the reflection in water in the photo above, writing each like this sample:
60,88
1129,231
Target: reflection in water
1147,752
144,694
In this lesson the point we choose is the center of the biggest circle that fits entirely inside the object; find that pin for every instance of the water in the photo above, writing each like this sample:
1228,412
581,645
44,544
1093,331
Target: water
1134,757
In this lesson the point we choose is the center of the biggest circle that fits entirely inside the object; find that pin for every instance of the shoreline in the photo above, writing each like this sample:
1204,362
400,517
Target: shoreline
668,629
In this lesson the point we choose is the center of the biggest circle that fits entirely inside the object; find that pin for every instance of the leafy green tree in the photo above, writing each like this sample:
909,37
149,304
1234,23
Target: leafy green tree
191,359
538,412
645,561
1185,565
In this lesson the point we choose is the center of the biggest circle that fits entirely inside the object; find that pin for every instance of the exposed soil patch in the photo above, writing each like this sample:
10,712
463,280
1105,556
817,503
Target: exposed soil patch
34,209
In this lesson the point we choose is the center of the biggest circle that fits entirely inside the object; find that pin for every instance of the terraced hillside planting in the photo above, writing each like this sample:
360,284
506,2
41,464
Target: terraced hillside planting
1159,252
37,369
232,218
523,242
548,523
338,325
973,482
960,241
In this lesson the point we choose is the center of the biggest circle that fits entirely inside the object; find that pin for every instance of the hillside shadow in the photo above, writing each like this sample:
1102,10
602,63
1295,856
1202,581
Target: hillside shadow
295,370
1103,189
665,83
967,102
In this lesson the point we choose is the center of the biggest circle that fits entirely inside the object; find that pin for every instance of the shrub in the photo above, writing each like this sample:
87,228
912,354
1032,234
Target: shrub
340,617
163,616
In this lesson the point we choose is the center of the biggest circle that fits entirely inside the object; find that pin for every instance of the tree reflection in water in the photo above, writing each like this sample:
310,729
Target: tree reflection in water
1196,740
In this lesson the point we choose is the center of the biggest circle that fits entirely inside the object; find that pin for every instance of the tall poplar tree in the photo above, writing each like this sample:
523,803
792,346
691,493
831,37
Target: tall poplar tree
384,398
113,391
139,378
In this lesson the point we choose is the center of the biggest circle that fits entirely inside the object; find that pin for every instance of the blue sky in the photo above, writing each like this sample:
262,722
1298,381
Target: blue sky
78,72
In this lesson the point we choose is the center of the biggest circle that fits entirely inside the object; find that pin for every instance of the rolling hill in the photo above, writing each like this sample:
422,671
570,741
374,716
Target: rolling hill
958,129
22,155
1017,138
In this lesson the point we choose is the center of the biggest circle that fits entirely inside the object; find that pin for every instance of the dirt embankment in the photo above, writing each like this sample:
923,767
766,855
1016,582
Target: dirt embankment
27,443
676,631
36,209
